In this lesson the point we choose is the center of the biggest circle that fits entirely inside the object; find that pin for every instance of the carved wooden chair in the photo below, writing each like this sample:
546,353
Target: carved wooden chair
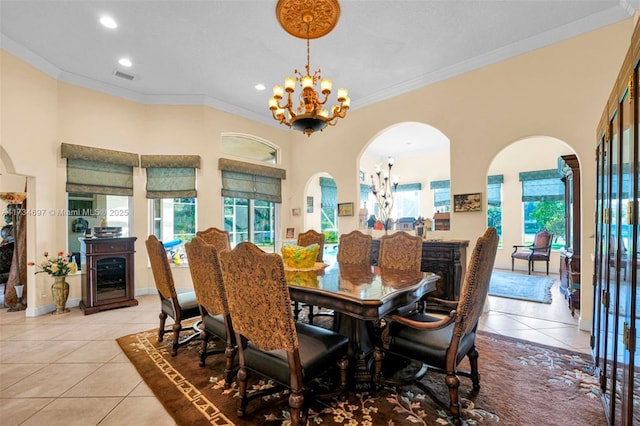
442,343
305,239
216,237
400,251
179,306
270,342
312,237
540,250
207,283
354,249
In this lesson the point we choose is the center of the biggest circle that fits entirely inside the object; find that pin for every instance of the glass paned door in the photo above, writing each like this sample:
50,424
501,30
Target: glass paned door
250,220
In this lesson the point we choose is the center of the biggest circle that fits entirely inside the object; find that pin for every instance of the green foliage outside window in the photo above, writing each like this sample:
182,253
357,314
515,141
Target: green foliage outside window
546,215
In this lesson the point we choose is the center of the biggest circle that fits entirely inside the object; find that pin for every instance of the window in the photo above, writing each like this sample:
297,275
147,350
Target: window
173,219
441,195
494,203
329,209
248,147
251,192
250,220
100,185
407,201
171,189
543,204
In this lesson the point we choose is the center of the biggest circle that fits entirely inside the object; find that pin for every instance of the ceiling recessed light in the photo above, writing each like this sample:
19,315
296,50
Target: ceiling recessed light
125,62
259,86
108,22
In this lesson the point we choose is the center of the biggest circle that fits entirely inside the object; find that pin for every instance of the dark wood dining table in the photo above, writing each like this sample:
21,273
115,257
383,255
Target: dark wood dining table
359,295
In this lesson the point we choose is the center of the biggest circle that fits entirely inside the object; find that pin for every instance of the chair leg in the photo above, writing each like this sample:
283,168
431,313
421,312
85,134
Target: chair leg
203,346
547,267
512,259
163,319
176,338
243,378
474,373
453,383
296,404
378,357
530,267
343,365
311,314
230,354
296,310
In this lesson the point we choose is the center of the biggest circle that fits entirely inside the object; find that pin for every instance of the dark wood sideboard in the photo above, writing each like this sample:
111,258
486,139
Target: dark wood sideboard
445,258
107,274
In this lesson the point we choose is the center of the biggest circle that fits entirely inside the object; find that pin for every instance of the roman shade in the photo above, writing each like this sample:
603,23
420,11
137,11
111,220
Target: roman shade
99,171
329,193
171,176
409,187
441,193
542,185
494,186
251,181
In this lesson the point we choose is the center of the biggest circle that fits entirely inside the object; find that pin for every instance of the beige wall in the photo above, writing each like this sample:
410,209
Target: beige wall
558,91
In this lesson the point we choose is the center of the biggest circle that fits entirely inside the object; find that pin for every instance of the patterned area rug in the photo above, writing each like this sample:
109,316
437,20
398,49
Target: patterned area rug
521,384
522,287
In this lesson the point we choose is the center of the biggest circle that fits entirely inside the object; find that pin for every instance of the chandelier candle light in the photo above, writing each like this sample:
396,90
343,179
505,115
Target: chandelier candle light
309,19
384,191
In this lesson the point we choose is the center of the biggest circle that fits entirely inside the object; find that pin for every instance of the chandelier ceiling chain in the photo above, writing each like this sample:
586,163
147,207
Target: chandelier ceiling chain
318,18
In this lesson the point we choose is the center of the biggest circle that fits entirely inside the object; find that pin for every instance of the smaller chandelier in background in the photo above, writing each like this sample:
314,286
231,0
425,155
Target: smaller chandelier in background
307,20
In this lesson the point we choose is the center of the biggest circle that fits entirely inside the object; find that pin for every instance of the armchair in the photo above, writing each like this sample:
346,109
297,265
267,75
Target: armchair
355,249
270,342
442,342
540,250
215,237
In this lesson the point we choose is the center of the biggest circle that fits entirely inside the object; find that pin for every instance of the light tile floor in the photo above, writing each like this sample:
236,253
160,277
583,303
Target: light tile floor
68,369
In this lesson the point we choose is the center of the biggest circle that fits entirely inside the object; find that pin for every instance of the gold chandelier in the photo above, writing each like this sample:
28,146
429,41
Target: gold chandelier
308,19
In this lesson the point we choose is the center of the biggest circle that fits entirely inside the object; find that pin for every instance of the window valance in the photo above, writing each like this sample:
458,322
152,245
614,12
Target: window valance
409,187
542,185
252,181
171,176
99,171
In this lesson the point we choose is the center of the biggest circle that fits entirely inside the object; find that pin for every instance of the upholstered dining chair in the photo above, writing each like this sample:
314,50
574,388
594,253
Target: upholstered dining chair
270,342
216,321
441,343
354,248
540,250
400,251
216,237
305,239
178,306
312,237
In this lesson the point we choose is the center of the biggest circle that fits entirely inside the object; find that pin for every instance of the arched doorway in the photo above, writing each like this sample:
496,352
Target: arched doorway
421,162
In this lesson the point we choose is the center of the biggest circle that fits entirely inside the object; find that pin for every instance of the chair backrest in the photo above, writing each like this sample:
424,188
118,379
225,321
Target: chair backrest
354,248
162,274
258,297
476,282
542,242
401,251
216,237
206,276
312,237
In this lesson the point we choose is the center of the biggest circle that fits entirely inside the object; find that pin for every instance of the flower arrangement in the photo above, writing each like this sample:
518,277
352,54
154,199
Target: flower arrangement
59,266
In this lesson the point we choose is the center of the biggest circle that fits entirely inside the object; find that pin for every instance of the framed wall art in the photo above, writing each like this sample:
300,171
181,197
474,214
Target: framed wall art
345,209
290,233
467,202
309,204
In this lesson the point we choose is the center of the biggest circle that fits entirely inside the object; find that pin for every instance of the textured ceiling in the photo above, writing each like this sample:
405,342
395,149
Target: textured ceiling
214,52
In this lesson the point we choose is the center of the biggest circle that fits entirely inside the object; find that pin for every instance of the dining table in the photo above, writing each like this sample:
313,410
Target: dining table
359,295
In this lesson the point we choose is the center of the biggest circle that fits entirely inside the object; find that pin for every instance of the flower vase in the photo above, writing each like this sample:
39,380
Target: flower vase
60,293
